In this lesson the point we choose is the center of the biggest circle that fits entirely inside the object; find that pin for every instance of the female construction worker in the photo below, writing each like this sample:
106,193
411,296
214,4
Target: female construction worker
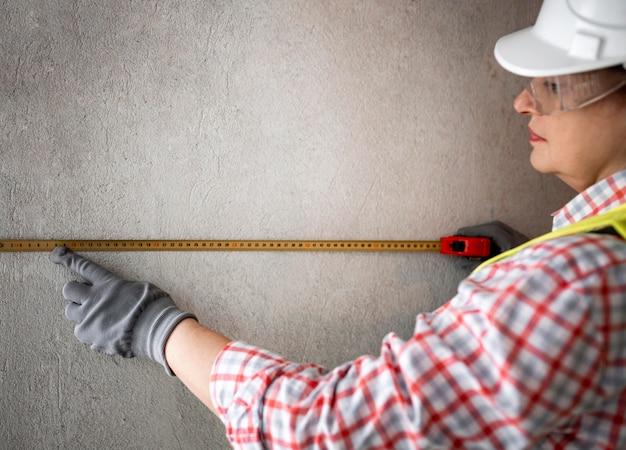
531,352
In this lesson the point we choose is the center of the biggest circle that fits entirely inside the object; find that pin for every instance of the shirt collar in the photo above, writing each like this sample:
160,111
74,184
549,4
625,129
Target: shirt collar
599,198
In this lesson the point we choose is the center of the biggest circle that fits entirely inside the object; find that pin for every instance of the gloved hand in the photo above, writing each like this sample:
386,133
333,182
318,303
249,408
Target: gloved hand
115,316
502,236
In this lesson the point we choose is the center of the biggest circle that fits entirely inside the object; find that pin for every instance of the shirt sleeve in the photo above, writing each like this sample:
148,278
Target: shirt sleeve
518,352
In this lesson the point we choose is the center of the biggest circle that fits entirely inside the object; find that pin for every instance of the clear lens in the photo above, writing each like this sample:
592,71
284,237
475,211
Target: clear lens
553,95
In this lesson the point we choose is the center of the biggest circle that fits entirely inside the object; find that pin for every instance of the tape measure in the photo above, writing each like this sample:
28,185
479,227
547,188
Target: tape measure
452,245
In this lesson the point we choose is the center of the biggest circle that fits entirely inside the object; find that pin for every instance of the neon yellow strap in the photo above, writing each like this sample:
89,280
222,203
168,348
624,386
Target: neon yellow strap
615,218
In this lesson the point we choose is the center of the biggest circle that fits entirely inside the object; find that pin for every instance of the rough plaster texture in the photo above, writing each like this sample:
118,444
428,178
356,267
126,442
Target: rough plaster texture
271,119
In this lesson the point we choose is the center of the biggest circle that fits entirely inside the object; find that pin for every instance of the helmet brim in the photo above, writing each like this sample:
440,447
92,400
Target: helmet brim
525,53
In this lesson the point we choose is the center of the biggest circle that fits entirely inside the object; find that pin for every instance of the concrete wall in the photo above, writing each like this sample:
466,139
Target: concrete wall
266,119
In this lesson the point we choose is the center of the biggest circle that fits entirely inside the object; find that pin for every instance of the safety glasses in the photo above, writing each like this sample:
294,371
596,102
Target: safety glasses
557,94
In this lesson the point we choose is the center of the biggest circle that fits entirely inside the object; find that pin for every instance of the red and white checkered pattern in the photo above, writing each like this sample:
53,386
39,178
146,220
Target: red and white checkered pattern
531,352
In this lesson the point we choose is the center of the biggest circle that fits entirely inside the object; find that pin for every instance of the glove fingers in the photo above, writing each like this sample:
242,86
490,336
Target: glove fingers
469,231
486,229
76,292
83,267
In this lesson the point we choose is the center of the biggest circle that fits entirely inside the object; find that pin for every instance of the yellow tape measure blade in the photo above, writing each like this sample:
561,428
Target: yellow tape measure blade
31,245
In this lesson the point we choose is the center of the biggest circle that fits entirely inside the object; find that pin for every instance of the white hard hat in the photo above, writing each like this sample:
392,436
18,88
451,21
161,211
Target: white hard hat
570,36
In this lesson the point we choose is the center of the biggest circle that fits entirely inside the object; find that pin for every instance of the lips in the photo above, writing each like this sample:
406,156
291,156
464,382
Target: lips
534,137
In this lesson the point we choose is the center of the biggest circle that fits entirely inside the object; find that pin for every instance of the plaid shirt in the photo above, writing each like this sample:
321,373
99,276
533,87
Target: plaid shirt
530,353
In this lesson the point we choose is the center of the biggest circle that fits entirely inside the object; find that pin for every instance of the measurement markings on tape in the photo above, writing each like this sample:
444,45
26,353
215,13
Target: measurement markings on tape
26,245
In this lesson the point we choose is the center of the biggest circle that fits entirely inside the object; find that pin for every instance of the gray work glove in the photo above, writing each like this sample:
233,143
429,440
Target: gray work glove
502,236
115,316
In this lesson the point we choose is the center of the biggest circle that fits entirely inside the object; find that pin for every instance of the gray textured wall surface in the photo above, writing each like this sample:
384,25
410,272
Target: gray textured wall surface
268,119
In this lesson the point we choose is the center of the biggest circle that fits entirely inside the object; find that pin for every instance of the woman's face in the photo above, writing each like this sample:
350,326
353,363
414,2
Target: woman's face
582,146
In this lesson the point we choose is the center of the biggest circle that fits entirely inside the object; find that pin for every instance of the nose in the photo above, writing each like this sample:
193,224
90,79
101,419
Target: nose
525,104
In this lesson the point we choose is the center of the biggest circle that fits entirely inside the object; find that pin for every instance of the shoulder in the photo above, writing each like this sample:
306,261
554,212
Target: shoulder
568,257
568,270
574,256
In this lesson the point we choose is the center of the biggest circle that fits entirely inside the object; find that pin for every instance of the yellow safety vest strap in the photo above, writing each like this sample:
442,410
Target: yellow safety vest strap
615,218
